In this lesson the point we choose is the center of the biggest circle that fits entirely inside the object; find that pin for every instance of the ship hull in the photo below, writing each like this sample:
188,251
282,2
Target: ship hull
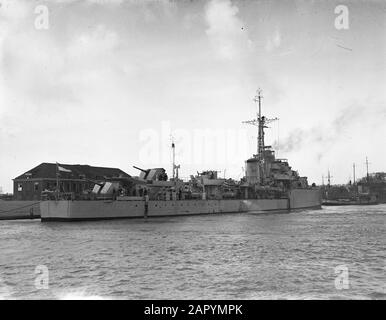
67,210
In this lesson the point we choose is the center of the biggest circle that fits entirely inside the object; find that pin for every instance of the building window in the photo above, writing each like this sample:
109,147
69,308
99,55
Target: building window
36,186
19,187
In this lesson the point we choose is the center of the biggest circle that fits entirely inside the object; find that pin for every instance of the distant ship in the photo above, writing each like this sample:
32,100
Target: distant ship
374,184
349,194
269,184
350,202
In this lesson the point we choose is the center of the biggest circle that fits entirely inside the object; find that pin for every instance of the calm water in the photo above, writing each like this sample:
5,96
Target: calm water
241,256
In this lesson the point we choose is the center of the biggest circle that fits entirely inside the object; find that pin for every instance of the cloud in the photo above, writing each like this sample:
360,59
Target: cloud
106,1
113,67
53,71
274,41
101,2
12,10
92,43
226,30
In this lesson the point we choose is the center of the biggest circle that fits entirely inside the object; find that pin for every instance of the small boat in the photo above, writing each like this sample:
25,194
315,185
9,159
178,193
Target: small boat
350,202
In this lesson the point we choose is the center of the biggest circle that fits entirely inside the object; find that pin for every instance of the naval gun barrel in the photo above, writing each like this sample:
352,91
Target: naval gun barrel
93,181
143,170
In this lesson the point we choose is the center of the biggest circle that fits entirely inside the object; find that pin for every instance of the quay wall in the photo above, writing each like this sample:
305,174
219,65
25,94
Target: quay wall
15,209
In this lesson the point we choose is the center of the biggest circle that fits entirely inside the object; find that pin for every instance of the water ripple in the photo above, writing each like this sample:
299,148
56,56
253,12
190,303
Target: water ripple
251,256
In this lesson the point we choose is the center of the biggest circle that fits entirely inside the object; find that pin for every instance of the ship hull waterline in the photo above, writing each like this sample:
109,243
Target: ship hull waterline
78,210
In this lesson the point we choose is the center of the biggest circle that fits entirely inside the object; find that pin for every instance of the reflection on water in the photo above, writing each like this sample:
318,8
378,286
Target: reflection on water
239,256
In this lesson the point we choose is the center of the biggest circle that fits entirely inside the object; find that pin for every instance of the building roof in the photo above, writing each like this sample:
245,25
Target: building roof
78,171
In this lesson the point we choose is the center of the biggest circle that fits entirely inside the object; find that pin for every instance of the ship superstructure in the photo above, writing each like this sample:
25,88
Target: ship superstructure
368,190
263,171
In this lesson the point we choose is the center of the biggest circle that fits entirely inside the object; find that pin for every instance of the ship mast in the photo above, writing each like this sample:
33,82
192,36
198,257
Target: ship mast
260,122
260,137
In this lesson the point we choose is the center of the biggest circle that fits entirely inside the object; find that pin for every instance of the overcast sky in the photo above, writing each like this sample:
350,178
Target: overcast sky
108,81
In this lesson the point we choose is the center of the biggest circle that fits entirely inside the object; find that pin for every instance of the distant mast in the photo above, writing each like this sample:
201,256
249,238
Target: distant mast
353,169
367,169
329,176
174,157
175,167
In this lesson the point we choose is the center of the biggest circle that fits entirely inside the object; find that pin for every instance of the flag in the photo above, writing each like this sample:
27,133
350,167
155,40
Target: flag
62,169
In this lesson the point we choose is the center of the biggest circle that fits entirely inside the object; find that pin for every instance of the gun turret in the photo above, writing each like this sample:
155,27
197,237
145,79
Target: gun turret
152,174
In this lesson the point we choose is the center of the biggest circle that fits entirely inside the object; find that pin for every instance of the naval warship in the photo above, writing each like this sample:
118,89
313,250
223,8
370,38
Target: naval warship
269,184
